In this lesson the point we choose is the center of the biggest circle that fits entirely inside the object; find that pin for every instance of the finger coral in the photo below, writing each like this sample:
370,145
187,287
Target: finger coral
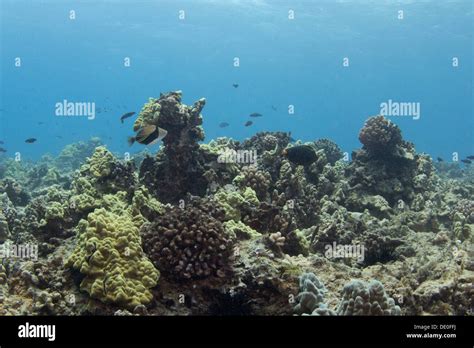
188,243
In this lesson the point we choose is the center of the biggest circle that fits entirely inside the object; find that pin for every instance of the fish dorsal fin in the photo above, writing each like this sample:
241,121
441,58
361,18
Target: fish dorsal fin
145,132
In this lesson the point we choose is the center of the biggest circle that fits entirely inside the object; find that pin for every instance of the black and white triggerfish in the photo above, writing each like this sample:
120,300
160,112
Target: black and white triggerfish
148,135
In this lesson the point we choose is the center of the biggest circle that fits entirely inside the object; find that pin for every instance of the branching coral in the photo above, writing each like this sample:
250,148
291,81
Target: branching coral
257,180
188,243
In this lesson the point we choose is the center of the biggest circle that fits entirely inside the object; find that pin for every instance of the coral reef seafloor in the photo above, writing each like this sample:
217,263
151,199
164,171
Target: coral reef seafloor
188,231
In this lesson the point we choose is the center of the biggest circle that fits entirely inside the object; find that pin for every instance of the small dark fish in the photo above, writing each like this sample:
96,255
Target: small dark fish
439,159
127,115
236,85
2,149
248,123
274,108
30,140
301,154
1,142
40,123
58,136
148,135
255,114
470,157
223,124
466,161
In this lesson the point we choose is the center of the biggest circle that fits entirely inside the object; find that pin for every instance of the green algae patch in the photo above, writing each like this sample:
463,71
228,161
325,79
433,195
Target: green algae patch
239,230
233,200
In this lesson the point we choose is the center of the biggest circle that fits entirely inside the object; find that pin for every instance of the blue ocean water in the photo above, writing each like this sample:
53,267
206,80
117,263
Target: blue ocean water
291,53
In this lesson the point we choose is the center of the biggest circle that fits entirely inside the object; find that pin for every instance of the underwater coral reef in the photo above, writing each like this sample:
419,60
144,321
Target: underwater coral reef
300,231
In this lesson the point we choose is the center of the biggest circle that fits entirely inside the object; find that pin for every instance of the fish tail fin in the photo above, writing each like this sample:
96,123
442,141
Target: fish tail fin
131,140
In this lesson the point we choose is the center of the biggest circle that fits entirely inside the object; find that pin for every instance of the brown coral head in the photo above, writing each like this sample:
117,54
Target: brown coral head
188,243
380,134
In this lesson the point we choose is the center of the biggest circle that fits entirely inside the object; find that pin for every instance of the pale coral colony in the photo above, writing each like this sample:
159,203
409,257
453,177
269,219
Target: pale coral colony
181,233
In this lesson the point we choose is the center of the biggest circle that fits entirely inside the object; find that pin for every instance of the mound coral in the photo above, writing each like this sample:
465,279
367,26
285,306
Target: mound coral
101,174
387,166
380,135
107,174
108,253
360,298
310,299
